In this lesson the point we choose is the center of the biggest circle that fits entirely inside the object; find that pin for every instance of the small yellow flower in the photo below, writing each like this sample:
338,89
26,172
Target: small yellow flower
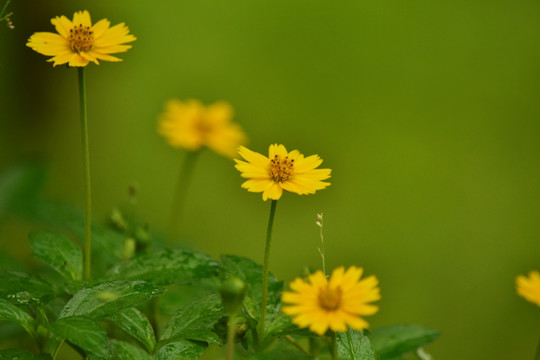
281,170
78,42
334,304
191,125
529,288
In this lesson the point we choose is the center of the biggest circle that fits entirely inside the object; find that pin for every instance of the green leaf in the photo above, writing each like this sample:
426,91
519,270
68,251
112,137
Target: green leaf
354,345
181,350
84,333
9,312
278,324
58,251
393,341
24,289
15,354
108,298
106,245
282,351
251,273
165,267
136,324
195,321
126,351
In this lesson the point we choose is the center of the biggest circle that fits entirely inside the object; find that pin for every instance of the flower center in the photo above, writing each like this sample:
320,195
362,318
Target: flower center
329,298
281,169
203,127
81,38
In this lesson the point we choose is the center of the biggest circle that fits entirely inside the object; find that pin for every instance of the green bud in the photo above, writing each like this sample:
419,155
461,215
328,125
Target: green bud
128,250
142,235
233,291
117,220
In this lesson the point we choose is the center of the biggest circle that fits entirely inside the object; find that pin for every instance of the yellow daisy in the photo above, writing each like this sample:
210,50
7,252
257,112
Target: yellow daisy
334,303
529,287
281,170
191,125
78,42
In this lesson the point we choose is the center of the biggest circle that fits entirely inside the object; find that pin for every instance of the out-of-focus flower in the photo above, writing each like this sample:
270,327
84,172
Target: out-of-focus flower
529,287
191,125
335,303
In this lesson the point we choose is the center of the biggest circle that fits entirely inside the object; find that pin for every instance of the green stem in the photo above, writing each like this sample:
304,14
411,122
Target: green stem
333,346
231,332
4,9
186,173
265,270
537,355
86,165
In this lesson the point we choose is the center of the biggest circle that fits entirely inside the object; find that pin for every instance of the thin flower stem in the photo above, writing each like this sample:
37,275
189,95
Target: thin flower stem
4,9
265,270
333,346
186,173
86,165
231,332
537,355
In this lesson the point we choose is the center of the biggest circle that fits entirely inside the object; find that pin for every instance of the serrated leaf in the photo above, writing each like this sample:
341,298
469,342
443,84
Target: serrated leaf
106,244
354,345
195,321
126,351
251,273
136,324
24,289
181,350
279,324
177,266
109,297
393,341
282,351
58,251
84,333
15,354
9,312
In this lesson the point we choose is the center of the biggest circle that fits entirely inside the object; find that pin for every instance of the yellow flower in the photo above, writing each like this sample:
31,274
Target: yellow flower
280,171
78,42
334,304
529,288
191,125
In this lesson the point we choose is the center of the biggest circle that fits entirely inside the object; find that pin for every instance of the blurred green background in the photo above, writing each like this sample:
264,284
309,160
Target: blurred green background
427,113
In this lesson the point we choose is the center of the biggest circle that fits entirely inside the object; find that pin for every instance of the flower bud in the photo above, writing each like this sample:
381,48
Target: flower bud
233,291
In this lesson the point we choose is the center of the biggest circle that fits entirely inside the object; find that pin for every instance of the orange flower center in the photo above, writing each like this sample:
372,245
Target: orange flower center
203,128
81,38
329,298
281,169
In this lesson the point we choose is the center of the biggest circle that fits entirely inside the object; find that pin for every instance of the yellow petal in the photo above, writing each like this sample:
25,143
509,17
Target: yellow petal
82,18
100,27
274,192
77,60
62,25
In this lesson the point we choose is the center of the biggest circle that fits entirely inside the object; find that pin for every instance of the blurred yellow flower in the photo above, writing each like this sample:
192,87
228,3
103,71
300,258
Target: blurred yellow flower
280,171
529,287
191,125
78,42
334,303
